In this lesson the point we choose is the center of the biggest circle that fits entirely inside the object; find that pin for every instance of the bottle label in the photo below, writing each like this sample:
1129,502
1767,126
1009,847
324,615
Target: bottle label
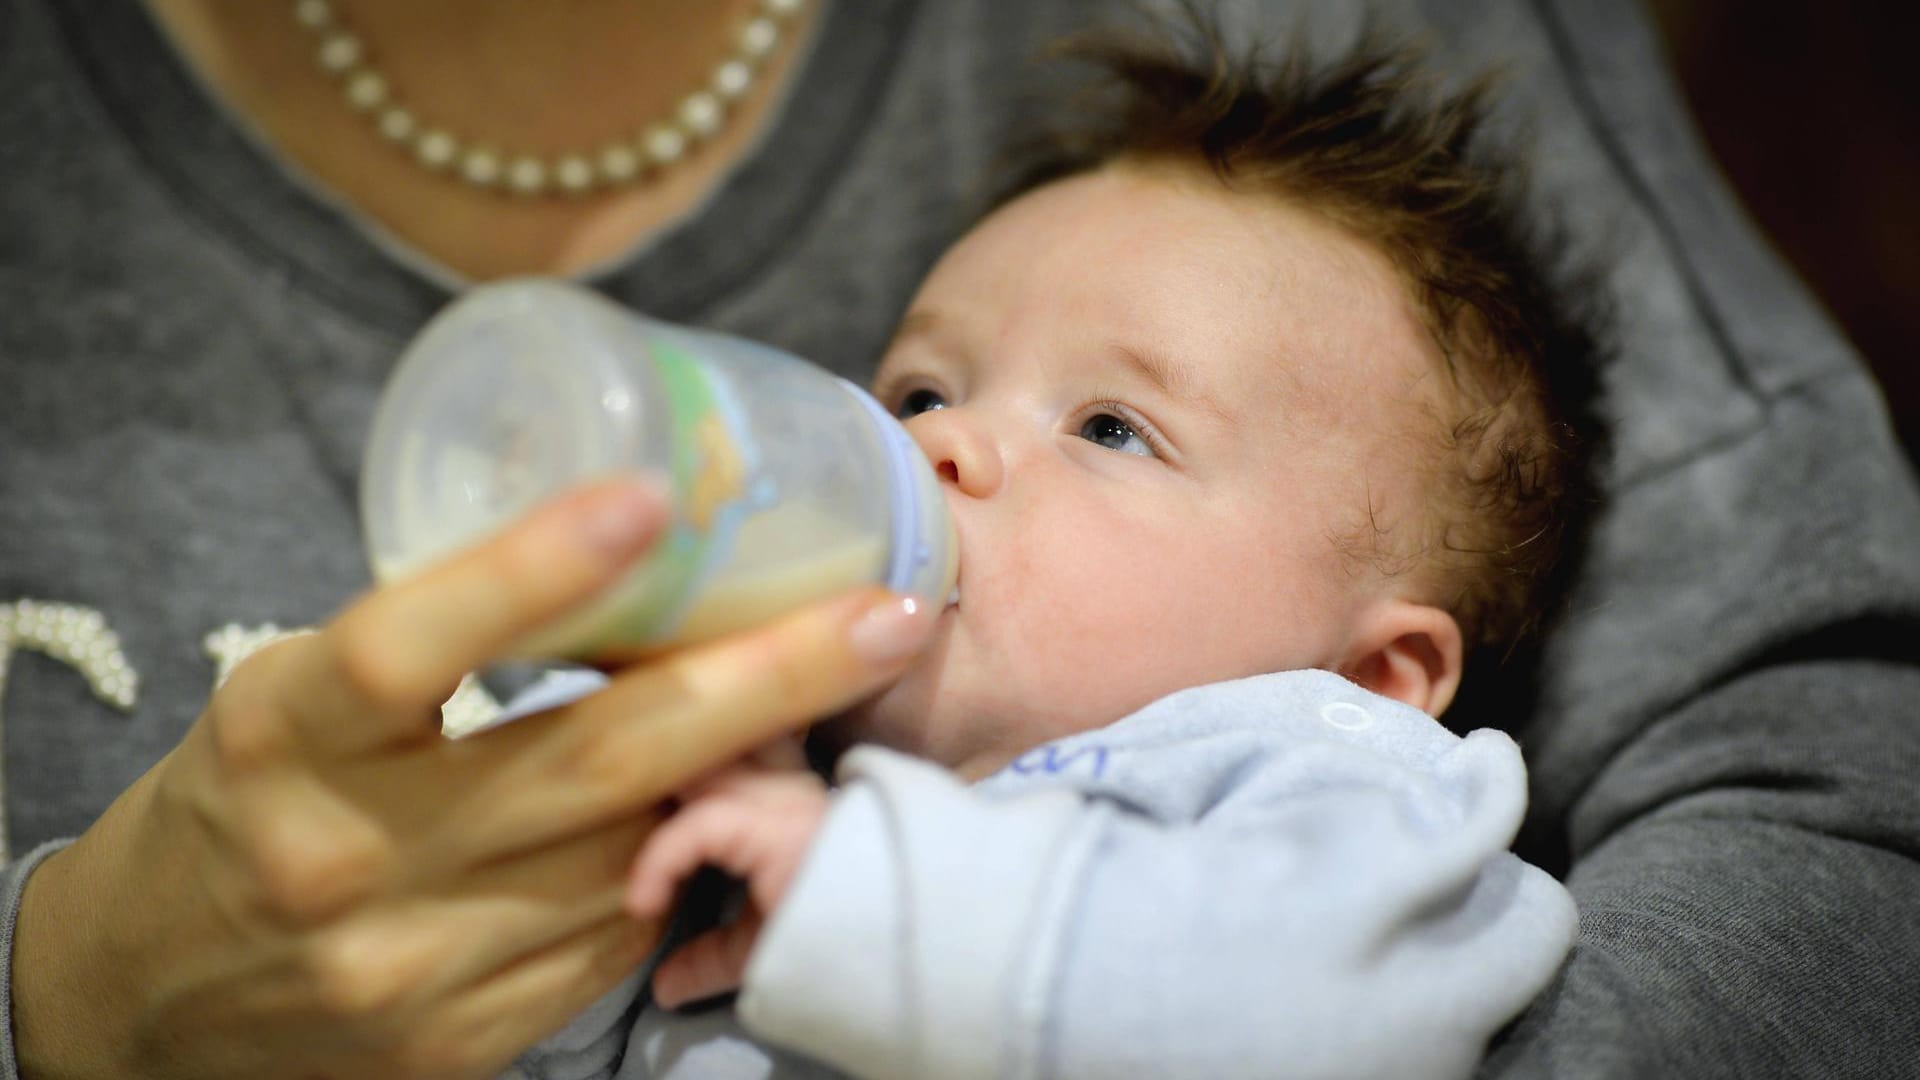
712,464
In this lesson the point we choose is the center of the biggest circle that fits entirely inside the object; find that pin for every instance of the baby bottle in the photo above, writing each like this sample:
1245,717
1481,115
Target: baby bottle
788,483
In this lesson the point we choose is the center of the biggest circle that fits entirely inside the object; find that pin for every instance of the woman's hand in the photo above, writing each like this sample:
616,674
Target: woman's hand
755,820
315,883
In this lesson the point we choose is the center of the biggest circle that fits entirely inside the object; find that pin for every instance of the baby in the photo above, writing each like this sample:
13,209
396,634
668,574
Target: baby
1257,422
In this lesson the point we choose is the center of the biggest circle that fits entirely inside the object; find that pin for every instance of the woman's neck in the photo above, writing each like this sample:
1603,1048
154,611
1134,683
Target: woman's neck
537,78
546,77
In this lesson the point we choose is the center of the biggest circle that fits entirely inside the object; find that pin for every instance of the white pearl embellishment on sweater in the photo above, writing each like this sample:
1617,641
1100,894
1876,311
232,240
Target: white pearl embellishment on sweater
79,638
470,707
76,636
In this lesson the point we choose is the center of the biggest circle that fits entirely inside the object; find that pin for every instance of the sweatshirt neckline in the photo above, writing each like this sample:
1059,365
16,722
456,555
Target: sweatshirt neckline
236,186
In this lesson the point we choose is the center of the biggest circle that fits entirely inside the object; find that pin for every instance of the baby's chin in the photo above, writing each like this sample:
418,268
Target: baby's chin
893,719
935,729
913,716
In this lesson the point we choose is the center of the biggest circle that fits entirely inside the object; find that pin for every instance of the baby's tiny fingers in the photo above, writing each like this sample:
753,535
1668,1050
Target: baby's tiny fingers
710,964
694,836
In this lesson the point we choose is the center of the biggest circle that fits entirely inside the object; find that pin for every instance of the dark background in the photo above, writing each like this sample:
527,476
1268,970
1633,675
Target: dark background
1813,111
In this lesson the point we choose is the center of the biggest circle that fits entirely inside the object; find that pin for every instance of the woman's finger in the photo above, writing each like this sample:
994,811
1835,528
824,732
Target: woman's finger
657,726
785,752
379,672
497,1018
496,917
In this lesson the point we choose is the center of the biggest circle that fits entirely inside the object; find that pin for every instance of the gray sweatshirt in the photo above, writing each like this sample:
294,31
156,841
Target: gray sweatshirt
1281,876
1721,741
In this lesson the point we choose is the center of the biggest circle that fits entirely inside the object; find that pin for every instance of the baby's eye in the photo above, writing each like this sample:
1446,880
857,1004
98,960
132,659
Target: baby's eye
917,402
1114,433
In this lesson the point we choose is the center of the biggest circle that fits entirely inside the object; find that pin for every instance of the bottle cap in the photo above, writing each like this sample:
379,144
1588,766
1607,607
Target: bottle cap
923,551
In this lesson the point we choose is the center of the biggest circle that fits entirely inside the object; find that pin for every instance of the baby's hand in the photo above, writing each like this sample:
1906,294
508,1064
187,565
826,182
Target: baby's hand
754,820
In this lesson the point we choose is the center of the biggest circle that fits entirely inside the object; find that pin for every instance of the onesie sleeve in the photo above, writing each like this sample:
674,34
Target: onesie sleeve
1282,876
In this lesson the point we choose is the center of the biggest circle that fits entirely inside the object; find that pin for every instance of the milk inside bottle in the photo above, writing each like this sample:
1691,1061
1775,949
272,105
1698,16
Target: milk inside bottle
788,483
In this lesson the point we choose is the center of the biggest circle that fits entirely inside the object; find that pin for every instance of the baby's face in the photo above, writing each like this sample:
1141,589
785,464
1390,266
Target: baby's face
1156,407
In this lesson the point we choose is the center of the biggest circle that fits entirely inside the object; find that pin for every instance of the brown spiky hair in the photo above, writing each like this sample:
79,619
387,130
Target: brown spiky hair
1376,145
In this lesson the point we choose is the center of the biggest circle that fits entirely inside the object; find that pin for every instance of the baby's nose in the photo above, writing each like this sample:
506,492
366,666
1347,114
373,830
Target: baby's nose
962,452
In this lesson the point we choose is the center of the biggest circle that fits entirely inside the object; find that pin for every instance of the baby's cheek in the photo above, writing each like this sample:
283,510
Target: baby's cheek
1082,661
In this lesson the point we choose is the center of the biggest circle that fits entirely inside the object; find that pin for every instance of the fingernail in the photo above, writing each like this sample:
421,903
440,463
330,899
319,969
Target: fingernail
624,516
892,630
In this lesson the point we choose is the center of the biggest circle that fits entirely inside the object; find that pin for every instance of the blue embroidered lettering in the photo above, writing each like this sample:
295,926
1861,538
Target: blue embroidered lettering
1052,761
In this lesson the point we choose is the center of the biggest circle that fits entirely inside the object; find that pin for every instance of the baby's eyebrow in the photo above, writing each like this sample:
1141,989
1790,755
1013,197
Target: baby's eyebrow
1171,379
920,323
916,323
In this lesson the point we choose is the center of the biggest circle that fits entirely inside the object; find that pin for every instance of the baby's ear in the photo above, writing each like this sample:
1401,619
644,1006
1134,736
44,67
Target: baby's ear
1409,652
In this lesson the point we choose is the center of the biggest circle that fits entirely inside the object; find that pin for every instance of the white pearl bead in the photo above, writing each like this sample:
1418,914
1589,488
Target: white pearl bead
665,145
437,148
396,123
313,14
527,175
759,37
619,163
573,173
701,114
731,79
340,53
366,90
480,166
469,708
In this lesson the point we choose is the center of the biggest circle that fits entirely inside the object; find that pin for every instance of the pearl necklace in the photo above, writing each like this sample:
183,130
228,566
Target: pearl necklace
699,116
